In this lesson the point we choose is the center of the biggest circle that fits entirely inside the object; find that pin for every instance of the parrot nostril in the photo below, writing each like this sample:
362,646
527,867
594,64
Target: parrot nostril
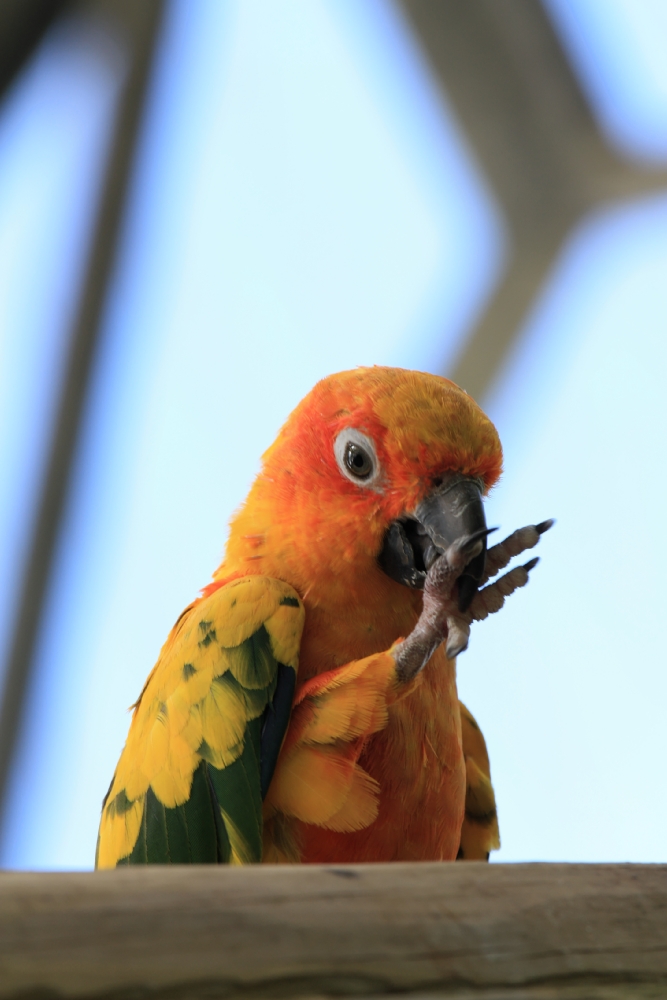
437,482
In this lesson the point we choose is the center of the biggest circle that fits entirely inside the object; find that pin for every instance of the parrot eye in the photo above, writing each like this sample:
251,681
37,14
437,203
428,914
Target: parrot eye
356,457
358,461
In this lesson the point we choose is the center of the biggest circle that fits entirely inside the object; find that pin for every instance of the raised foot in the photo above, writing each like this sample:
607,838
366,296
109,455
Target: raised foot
441,618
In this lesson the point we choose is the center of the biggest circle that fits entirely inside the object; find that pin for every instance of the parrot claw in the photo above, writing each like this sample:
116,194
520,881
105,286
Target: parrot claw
468,547
454,648
453,651
498,556
442,618
477,535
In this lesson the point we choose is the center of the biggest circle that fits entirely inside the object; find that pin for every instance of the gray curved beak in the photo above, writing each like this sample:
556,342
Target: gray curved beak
412,544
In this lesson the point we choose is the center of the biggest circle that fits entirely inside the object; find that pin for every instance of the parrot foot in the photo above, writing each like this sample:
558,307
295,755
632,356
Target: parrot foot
498,556
438,619
441,618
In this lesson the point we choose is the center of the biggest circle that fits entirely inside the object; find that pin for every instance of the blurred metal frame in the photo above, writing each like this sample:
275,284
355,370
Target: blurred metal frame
137,25
505,73
23,24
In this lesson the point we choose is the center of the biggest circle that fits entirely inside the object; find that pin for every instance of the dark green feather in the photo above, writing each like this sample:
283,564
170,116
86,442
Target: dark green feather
237,788
157,845
195,832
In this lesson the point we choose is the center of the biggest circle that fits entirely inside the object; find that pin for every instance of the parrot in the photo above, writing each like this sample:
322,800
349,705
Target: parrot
304,706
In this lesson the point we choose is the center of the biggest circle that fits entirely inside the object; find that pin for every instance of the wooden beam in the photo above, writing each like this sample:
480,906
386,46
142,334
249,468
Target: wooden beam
455,930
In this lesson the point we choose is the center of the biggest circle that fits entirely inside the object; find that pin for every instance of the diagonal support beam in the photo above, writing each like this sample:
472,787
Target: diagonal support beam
23,24
521,107
138,25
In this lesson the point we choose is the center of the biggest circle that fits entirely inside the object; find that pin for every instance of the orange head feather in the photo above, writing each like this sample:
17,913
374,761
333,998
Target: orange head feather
305,521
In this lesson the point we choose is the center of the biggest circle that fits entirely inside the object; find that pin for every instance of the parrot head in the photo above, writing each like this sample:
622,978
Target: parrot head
376,468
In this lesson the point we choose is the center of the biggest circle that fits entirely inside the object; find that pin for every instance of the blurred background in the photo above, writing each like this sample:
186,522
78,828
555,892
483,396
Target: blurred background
206,207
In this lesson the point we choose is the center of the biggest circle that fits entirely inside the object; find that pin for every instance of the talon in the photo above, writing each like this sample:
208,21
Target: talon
545,525
482,532
458,636
453,650
470,544
467,555
531,564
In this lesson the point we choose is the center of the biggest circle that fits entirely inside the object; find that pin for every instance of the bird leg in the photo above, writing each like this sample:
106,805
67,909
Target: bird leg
441,618
439,605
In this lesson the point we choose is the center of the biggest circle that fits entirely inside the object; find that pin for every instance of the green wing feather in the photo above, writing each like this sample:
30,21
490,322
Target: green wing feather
187,789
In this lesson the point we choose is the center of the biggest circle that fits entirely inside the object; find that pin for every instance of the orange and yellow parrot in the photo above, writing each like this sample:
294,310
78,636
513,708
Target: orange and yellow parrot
304,707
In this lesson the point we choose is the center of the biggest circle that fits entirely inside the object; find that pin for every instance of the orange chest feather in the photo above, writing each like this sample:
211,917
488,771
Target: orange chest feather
417,759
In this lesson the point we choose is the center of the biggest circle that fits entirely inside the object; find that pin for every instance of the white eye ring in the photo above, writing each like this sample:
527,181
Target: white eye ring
356,458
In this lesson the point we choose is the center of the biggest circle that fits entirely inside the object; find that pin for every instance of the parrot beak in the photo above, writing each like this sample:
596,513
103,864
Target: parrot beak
413,543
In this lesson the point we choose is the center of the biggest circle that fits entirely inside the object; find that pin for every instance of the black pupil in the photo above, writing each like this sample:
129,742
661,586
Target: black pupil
357,461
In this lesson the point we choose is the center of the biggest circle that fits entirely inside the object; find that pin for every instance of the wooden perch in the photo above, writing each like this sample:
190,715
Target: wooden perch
499,932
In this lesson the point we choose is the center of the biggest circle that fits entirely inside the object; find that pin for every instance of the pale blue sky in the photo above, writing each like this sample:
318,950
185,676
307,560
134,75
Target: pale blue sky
569,681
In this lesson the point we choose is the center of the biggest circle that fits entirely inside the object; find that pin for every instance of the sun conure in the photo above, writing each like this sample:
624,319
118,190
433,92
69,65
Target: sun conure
304,707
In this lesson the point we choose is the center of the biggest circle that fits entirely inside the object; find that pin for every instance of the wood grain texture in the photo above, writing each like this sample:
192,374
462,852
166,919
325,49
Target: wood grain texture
455,930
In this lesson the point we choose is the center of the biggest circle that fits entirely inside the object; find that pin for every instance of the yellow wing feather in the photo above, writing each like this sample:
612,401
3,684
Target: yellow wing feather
198,701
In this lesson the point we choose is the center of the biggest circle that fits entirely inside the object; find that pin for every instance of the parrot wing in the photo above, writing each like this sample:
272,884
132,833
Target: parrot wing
479,833
319,780
207,731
